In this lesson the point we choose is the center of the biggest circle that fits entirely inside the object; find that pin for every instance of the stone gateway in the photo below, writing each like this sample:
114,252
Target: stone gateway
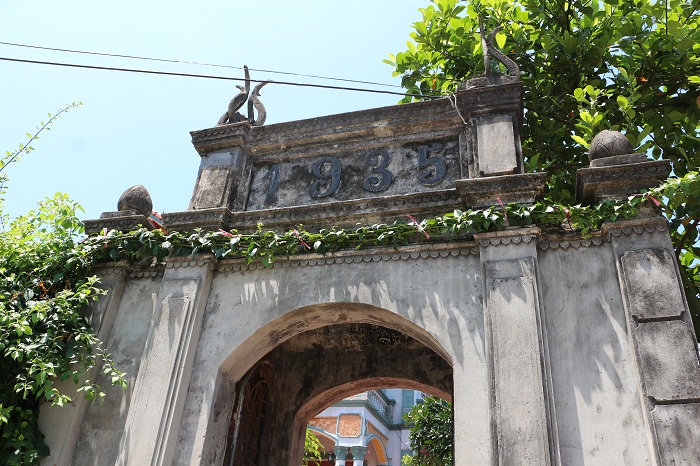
556,349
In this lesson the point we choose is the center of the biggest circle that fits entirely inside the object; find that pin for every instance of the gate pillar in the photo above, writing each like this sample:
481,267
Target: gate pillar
659,326
153,422
523,430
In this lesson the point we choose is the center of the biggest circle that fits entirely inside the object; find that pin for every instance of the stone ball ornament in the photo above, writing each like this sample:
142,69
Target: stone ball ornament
136,198
609,144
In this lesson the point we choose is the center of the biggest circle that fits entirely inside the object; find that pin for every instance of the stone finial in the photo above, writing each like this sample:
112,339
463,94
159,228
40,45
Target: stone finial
137,199
609,144
611,148
615,171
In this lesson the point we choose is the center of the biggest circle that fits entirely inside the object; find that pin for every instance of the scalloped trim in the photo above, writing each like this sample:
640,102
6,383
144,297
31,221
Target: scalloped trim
498,241
147,273
637,230
350,259
574,244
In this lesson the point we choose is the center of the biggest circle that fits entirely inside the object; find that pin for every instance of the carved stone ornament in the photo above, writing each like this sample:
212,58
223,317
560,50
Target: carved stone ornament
612,148
490,51
254,104
615,171
136,199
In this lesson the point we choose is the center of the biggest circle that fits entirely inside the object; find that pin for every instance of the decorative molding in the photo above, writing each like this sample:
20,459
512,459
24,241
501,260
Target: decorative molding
624,172
200,260
352,124
190,219
349,257
573,243
608,230
506,240
515,235
619,181
112,268
153,272
350,210
210,140
635,227
491,99
348,121
521,188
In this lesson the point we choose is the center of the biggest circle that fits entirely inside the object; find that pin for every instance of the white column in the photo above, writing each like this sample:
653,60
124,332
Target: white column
153,421
523,426
358,455
341,454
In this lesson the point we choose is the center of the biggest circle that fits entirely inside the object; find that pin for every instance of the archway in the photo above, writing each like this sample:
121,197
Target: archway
318,367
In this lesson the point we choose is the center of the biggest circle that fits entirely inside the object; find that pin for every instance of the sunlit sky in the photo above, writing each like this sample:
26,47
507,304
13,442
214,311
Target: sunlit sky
134,128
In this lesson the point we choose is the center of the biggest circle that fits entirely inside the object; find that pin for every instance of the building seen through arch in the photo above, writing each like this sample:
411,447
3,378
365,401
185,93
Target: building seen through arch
372,420
326,367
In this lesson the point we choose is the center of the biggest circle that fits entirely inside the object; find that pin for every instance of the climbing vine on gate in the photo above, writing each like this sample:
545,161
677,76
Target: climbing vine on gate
267,246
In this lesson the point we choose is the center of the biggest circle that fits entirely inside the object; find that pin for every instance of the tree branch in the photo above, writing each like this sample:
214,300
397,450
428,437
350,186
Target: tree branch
26,147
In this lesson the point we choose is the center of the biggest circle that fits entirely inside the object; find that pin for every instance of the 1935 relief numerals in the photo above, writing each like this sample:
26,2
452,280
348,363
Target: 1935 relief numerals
328,171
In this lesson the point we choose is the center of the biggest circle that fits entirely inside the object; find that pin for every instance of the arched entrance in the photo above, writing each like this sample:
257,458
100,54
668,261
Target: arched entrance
315,368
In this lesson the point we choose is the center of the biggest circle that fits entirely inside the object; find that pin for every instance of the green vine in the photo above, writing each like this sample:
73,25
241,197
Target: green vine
268,246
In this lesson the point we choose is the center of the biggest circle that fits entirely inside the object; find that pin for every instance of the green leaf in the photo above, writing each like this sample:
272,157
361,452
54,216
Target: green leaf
580,140
622,102
501,39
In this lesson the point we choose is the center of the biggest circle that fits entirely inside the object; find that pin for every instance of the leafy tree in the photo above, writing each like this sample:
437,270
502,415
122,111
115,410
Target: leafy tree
44,336
431,433
587,65
313,448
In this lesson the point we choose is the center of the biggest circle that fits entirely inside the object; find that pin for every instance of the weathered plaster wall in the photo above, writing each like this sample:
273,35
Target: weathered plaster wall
591,382
100,432
598,411
434,299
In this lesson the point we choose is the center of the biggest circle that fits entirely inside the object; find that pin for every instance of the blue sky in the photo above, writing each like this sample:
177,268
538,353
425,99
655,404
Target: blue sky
134,128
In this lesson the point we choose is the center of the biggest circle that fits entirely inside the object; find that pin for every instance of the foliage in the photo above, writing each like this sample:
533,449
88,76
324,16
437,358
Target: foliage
24,149
268,246
431,433
632,66
44,336
586,66
313,448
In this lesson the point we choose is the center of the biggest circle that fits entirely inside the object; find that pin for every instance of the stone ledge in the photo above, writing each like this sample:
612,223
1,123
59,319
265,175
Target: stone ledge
618,160
485,192
405,119
220,137
341,213
619,181
122,221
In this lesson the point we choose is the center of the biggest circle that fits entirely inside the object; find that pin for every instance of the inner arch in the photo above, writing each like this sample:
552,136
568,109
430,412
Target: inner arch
315,368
